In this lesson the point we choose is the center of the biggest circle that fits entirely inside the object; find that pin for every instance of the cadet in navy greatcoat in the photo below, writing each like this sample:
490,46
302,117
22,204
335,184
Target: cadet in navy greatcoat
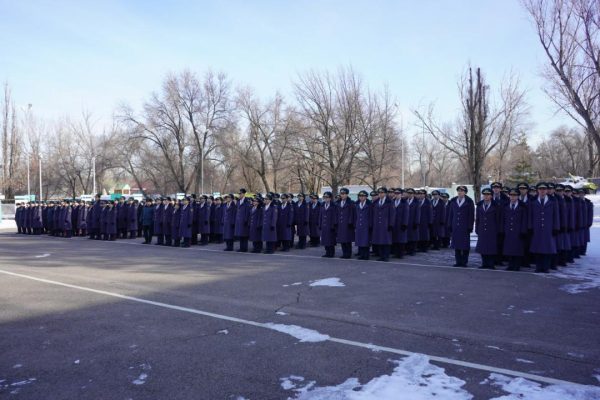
242,220
168,221
176,224
545,225
488,228
121,218
148,221
301,219
461,214
328,225
589,220
363,224
269,224
255,229
438,216
285,220
132,218
346,213
204,220
414,217
229,213
186,220
383,216
514,228
159,210
314,217
399,232
425,220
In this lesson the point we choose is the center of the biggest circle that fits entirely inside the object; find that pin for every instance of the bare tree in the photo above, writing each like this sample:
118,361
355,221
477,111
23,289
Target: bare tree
480,127
11,145
569,32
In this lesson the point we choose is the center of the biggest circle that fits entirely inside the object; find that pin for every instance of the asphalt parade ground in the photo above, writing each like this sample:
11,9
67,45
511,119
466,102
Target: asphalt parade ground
84,319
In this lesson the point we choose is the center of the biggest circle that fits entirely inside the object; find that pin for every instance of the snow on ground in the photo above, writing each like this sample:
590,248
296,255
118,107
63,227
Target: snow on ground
8,224
334,282
523,389
586,269
141,379
304,334
414,378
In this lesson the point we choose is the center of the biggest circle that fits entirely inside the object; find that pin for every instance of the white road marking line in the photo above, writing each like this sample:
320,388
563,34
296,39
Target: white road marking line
353,343
43,255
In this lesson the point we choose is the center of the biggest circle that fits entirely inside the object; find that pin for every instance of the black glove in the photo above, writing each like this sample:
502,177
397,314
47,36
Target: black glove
563,229
333,230
232,226
306,223
555,232
350,226
415,226
390,228
189,226
258,228
523,236
430,226
404,227
442,224
530,232
272,228
289,226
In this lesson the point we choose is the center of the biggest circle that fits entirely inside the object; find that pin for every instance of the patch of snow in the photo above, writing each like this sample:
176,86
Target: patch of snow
413,378
76,362
334,282
281,313
304,334
296,284
250,343
528,312
493,347
587,268
523,389
522,360
223,332
355,313
288,382
575,355
133,346
43,255
141,379
17,366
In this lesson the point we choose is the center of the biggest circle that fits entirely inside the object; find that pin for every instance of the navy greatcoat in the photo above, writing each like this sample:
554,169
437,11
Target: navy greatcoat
242,217
414,217
383,216
544,221
425,219
204,220
229,213
363,224
487,227
185,221
111,220
328,224
460,223
439,217
159,211
176,222
314,218
256,222
301,217
168,219
269,224
285,219
346,217
400,231
132,217
514,228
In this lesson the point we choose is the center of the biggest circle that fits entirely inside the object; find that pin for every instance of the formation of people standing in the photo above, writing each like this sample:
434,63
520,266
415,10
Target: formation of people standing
547,224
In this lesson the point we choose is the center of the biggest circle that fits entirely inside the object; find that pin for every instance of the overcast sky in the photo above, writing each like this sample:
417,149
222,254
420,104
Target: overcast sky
65,56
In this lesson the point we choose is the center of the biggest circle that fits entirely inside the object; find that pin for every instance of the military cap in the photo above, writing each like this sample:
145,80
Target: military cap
513,192
328,194
486,191
188,198
242,190
301,195
269,196
523,185
205,197
344,191
226,196
168,198
551,185
363,193
130,199
560,187
276,195
382,189
496,185
462,188
193,195
532,189
541,185
568,188
284,196
373,193
435,192
410,191
505,189
445,195
398,191
314,196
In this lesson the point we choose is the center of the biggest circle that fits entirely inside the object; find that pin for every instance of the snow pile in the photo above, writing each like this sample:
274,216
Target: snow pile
414,378
588,272
334,282
141,379
523,389
304,334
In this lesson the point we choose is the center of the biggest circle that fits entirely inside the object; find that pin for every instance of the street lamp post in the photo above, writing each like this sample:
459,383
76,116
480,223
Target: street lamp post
40,162
28,180
94,175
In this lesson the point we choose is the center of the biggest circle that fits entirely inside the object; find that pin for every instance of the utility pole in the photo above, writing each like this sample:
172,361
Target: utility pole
40,162
28,180
94,175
